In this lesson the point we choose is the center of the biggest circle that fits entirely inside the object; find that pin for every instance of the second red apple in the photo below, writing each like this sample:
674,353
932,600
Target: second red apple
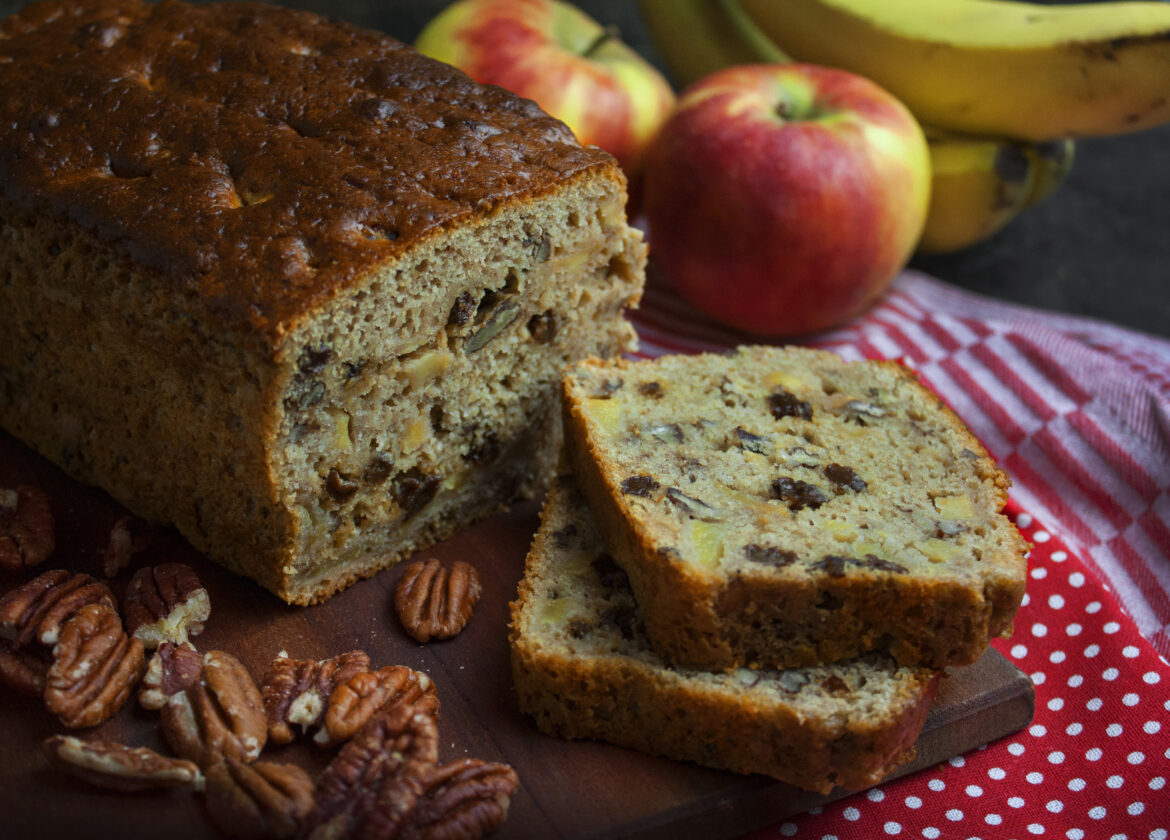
556,55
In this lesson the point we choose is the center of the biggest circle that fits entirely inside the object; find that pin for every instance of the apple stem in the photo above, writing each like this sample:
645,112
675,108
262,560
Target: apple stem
785,110
610,33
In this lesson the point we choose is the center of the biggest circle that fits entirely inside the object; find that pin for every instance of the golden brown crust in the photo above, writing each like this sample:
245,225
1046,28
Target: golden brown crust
610,701
260,162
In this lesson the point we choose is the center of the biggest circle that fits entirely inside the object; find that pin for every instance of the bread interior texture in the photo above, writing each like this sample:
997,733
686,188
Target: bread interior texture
421,396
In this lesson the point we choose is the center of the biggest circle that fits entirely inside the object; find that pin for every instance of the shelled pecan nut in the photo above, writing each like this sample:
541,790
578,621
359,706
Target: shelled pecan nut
296,691
220,715
463,800
374,781
259,801
165,603
172,669
22,670
26,528
119,767
433,601
95,668
36,611
355,701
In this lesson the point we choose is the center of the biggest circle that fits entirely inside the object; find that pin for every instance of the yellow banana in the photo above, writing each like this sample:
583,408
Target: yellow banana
697,37
993,67
1052,162
977,186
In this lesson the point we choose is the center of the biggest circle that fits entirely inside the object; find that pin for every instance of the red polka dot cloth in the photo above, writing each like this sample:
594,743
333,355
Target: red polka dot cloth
1078,412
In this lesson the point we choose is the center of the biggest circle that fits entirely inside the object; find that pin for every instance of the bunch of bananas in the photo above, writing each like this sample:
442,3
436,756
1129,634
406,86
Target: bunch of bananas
1001,88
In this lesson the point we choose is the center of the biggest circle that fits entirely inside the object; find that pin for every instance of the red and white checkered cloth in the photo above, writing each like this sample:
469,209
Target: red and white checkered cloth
1078,412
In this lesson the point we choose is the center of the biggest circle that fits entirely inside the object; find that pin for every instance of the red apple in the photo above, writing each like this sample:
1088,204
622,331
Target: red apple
562,59
783,198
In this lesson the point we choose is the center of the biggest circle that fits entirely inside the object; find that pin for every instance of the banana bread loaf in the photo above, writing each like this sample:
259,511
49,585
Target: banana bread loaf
780,507
289,285
583,668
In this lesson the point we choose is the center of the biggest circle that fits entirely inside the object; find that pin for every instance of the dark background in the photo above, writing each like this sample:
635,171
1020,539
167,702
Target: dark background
1100,246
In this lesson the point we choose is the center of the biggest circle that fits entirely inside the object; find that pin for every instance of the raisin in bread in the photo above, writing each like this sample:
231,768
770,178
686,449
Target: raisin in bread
780,507
583,668
289,285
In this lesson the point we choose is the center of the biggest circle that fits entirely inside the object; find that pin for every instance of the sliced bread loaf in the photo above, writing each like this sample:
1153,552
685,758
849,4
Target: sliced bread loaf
286,284
583,668
779,507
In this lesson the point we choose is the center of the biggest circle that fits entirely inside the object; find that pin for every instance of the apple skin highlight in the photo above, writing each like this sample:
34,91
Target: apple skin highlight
783,199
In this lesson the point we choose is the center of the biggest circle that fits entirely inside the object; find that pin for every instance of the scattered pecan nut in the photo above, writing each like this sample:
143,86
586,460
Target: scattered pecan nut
354,702
119,767
374,781
433,601
95,668
121,547
220,715
296,691
26,528
165,603
36,611
463,800
171,670
258,801
22,670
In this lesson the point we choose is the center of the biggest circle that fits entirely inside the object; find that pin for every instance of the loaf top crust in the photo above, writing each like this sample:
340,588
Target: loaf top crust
256,159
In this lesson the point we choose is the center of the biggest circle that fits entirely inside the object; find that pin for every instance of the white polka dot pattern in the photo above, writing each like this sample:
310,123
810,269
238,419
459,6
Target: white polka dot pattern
1093,763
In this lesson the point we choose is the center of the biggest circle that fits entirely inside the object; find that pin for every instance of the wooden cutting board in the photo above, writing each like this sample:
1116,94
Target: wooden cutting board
568,789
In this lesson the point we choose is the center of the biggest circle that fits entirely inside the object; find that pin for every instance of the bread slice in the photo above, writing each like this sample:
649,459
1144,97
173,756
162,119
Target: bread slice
780,507
583,668
288,285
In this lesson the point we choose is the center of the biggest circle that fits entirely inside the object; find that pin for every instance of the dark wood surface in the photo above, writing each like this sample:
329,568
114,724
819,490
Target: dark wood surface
569,789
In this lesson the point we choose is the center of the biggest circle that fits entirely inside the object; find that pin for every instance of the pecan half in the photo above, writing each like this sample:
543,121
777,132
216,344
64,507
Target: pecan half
297,691
36,611
95,668
119,767
26,528
165,603
462,800
220,715
21,670
355,701
172,669
433,601
258,801
370,787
